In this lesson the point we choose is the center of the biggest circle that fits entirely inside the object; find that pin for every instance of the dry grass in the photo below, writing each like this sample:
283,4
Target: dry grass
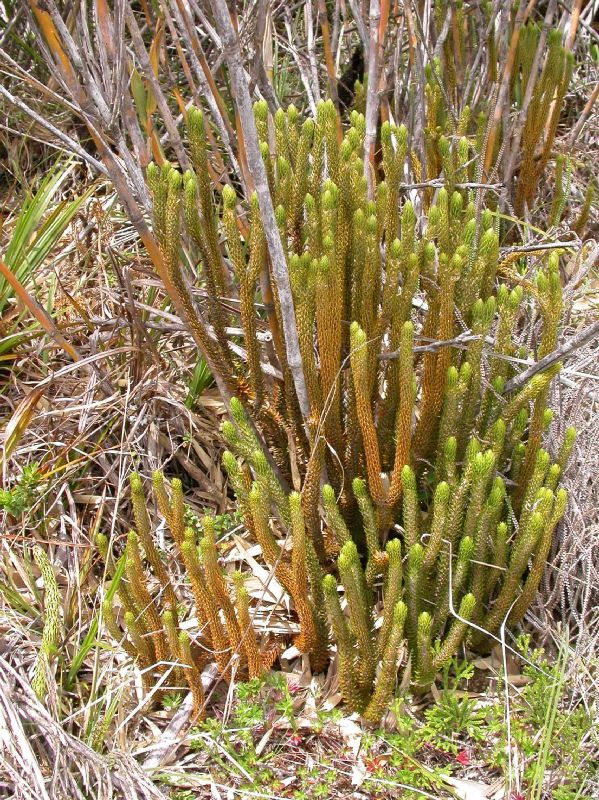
123,407
52,763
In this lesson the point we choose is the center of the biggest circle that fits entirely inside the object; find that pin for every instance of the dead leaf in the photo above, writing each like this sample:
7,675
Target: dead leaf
351,733
19,421
359,773
470,790
264,741
214,793
164,750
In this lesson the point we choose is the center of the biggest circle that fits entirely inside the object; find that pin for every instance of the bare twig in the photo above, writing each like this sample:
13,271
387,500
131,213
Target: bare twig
146,68
204,78
504,87
438,183
585,115
560,353
328,55
434,345
292,46
239,84
531,248
71,145
372,92
362,30
312,51
522,114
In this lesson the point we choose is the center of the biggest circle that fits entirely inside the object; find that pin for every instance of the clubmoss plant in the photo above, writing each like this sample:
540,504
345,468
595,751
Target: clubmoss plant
414,443
150,607
51,630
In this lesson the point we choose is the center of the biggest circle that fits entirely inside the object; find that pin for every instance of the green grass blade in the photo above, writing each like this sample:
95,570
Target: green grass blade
200,381
33,209
549,725
90,638
33,240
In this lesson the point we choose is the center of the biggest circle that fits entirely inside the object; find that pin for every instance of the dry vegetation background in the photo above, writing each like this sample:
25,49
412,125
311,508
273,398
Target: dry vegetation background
128,401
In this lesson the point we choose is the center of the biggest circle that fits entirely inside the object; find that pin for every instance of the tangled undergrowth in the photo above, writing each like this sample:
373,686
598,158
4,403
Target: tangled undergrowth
290,617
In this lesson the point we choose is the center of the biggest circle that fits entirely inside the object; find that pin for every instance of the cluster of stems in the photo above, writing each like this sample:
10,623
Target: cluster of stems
146,620
412,451
546,97
368,449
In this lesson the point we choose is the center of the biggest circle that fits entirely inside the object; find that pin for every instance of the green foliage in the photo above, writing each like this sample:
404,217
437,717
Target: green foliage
555,759
142,610
38,228
20,497
201,380
413,443
172,701
182,794
90,639
455,714
259,704
554,732
101,719
463,736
